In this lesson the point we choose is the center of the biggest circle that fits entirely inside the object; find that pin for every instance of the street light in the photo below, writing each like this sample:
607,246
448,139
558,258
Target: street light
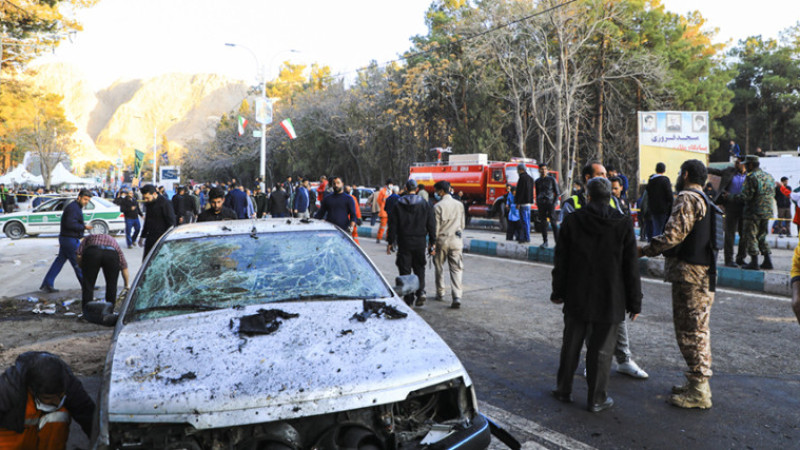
263,85
155,147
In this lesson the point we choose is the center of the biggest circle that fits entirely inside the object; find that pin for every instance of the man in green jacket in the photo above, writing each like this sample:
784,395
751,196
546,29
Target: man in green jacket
758,194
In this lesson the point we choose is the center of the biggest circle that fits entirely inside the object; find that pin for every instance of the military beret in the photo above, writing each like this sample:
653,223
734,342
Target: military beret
751,159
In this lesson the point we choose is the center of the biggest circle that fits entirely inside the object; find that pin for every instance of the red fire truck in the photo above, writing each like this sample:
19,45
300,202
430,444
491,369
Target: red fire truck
483,182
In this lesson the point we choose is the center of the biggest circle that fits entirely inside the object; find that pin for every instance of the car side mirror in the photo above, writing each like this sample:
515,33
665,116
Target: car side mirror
406,285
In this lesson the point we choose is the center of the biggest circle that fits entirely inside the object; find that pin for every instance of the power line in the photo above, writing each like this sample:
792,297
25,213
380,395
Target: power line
458,41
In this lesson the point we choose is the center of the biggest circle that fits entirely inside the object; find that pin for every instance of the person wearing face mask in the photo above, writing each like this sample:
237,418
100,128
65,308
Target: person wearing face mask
38,395
338,208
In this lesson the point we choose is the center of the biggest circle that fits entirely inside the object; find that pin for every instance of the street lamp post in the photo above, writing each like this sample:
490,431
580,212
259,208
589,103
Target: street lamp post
263,84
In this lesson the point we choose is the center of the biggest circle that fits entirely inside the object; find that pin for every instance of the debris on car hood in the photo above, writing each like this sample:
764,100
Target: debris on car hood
266,321
378,309
309,366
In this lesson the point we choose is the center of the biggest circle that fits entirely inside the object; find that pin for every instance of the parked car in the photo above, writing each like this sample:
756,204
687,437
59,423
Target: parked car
104,217
362,193
218,346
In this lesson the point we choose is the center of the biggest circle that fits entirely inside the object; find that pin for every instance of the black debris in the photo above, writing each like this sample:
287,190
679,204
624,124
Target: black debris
254,233
378,309
267,321
345,332
184,377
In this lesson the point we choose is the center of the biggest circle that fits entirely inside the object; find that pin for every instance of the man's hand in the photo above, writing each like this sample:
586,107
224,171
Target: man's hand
88,227
388,249
432,250
557,301
633,316
141,242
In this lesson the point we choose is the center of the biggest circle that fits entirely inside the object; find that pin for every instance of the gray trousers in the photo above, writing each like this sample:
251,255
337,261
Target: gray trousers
622,351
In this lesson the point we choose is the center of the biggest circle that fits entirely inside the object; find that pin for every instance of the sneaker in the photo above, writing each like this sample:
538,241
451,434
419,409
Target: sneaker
420,301
48,289
544,245
439,298
456,303
632,369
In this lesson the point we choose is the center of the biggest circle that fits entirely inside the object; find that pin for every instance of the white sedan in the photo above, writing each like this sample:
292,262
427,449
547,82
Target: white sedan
104,217
282,335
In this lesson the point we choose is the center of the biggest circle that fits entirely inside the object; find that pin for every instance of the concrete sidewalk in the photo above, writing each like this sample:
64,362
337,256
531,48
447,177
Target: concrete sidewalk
493,243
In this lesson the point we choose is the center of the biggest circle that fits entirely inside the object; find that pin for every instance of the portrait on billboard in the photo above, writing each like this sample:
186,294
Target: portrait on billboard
648,123
699,124
674,122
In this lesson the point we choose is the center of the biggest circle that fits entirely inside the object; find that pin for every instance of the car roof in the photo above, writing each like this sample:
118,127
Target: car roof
244,226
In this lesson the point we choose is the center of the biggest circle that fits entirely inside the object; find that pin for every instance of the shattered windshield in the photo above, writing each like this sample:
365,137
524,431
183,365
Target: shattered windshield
214,272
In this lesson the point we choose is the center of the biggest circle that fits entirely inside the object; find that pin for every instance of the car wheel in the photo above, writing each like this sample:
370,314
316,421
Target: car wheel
99,227
15,230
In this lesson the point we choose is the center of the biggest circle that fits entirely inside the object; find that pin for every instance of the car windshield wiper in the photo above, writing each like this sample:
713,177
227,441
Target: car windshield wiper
308,297
181,307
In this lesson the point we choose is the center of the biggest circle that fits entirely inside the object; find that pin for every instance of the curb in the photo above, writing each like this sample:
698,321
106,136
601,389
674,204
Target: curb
750,280
773,241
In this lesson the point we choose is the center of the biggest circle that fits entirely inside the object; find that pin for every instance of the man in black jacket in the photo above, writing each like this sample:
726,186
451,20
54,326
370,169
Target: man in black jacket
183,205
38,394
130,208
72,228
159,217
659,200
524,200
216,210
547,194
596,278
731,184
410,222
278,202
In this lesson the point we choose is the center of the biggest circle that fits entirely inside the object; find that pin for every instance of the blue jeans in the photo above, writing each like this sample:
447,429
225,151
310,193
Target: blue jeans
525,223
656,225
372,218
136,225
67,249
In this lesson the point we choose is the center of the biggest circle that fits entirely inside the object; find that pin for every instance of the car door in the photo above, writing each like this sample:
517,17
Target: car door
41,219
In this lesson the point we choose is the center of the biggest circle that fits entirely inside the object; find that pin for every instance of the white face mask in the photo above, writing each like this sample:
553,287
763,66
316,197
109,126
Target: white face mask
43,407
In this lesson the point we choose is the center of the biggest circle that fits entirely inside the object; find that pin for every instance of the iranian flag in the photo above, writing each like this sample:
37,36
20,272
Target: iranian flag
242,125
288,128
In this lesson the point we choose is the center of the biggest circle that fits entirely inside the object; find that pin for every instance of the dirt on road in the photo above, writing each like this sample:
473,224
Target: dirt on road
52,323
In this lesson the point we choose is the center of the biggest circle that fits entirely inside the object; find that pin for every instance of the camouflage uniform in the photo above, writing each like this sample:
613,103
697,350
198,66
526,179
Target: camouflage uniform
758,194
691,298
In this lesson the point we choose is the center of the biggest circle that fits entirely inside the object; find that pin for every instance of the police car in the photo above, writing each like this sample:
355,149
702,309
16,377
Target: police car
104,217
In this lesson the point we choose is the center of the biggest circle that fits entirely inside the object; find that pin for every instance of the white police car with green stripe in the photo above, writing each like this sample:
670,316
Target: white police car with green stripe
104,217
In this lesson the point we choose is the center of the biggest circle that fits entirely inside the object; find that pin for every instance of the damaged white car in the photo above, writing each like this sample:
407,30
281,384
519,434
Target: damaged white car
277,334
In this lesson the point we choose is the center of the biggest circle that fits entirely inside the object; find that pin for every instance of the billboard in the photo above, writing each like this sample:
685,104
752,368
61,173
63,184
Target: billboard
671,137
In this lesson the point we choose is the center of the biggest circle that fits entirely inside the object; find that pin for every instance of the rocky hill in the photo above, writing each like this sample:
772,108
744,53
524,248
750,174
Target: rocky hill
123,116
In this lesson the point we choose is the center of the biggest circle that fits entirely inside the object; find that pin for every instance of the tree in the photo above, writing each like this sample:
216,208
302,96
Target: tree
48,134
31,27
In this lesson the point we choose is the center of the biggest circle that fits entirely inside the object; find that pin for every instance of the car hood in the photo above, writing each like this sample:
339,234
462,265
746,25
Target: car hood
197,369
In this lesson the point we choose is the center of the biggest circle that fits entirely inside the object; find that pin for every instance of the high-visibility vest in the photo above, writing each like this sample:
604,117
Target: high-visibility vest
611,202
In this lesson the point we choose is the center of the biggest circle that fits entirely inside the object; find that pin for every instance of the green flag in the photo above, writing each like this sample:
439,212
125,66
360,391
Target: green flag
137,163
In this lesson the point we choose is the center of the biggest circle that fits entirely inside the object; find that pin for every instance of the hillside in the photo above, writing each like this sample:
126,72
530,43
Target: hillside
123,116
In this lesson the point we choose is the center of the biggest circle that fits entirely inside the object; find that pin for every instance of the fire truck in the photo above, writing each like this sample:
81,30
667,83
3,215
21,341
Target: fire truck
483,182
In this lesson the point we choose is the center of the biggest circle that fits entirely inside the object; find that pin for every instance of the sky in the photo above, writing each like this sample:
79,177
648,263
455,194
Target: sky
124,39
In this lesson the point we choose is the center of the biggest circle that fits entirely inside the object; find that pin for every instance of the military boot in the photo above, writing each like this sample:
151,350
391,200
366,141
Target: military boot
767,264
697,395
680,388
753,264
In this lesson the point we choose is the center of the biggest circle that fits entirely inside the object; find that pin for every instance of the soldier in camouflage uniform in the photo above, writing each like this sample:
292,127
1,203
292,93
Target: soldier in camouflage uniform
692,296
757,194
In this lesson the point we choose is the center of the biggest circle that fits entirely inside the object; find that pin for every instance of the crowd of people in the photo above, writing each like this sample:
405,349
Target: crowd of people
595,277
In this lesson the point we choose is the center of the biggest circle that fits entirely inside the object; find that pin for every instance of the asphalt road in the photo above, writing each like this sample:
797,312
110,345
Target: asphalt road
508,335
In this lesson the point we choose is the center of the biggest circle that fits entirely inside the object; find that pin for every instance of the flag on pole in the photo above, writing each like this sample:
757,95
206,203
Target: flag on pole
242,125
286,124
165,158
138,159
